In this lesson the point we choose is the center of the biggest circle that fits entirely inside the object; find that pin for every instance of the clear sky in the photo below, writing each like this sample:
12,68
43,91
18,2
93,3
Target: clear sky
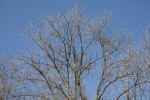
14,15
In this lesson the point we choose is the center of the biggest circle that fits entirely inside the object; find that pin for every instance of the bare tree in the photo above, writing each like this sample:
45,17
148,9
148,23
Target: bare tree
148,52
9,78
69,48
133,84
64,42
71,45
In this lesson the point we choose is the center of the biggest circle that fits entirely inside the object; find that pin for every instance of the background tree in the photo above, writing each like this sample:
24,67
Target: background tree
9,78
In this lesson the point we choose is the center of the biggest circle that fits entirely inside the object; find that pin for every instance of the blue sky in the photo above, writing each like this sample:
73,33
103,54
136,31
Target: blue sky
14,15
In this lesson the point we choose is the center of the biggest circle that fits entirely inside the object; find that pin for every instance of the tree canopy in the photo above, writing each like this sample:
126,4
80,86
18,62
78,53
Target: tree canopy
74,52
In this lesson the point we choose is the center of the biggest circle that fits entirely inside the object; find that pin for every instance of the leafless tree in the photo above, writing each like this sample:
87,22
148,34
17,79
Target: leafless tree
69,48
71,45
148,53
133,85
9,78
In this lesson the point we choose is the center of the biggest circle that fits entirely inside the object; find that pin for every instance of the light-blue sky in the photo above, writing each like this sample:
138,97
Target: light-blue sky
14,14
